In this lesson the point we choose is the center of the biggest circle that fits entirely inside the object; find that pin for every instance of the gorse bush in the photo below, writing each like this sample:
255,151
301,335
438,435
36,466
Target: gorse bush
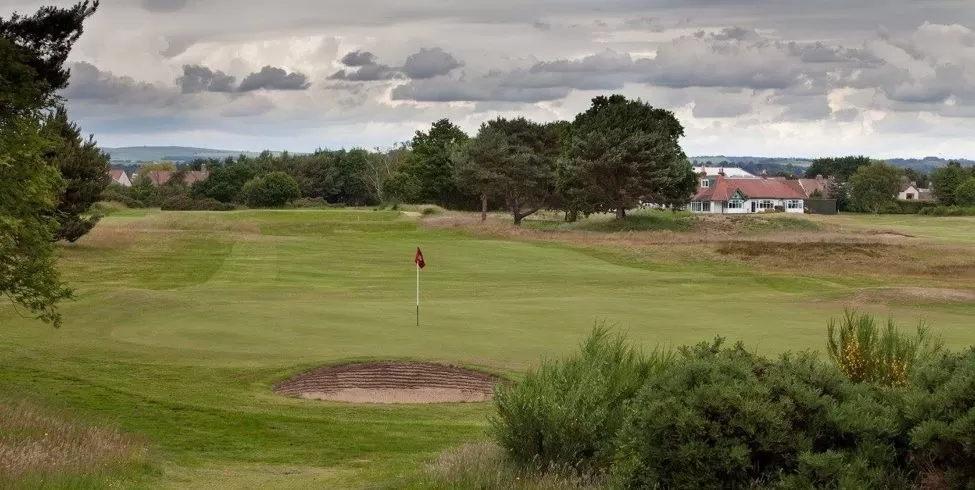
564,413
865,352
885,410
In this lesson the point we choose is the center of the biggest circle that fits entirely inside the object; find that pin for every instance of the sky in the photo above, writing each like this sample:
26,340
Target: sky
884,78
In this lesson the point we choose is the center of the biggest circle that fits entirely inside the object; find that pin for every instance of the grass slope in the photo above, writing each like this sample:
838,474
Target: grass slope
184,320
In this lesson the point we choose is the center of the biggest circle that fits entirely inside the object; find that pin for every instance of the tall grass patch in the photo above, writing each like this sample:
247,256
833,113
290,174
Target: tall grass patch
563,414
484,466
867,352
37,447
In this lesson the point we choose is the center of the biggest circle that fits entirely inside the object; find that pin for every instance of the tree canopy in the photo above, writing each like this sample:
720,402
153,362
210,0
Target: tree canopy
874,186
33,50
840,167
84,168
946,180
512,160
619,151
430,163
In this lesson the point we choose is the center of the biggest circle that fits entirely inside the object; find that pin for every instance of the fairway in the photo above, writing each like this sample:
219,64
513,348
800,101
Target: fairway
184,320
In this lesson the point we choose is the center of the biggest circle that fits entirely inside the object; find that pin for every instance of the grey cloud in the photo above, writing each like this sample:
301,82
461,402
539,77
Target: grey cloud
88,83
366,73
429,63
198,78
803,108
273,78
721,108
359,58
424,64
443,90
165,5
644,24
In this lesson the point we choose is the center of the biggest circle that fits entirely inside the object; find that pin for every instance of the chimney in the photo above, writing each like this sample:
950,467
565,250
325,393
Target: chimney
819,177
913,183
721,172
764,174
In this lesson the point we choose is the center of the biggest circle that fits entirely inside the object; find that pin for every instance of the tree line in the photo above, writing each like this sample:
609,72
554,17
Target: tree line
607,159
862,184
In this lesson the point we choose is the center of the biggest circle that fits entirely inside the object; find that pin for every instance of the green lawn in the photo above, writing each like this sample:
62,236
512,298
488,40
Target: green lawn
184,320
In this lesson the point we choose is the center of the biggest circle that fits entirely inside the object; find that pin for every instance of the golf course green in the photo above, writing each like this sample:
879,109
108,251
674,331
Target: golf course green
183,322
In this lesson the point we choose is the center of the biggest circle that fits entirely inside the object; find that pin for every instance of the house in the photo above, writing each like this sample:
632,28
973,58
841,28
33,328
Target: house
160,177
734,172
726,195
911,192
809,187
120,177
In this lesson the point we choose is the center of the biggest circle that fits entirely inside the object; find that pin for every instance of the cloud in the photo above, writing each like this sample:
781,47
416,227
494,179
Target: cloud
359,58
88,83
198,78
165,5
273,78
429,63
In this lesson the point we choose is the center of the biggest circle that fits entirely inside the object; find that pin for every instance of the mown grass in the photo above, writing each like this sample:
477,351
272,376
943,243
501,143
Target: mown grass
184,320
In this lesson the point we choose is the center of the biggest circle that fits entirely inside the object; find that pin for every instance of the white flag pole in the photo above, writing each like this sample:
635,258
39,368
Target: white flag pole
418,294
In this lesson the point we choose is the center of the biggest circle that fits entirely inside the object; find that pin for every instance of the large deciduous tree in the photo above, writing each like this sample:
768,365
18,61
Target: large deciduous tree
512,160
620,150
430,163
946,180
33,50
874,186
965,193
84,168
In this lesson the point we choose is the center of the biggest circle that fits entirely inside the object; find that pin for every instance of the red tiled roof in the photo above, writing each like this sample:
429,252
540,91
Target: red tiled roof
723,188
192,176
116,174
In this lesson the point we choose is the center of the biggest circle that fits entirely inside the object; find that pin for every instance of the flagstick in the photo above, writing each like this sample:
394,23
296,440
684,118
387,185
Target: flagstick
418,294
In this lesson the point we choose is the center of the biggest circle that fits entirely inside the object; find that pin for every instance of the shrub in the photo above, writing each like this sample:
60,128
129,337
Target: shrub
942,419
726,418
178,203
563,414
948,211
866,353
187,203
272,190
118,194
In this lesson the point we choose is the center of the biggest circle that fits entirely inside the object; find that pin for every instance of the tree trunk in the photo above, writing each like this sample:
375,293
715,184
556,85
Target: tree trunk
483,207
620,212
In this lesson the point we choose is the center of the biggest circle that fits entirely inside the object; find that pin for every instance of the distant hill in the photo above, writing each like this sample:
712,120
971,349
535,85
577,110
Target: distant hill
136,154
797,166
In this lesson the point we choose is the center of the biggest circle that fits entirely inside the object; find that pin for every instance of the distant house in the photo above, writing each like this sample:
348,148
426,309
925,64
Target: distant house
911,192
727,195
120,177
809,187
160,177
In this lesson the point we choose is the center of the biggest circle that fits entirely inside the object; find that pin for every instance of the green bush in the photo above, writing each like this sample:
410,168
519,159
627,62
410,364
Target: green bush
965,193
941,414
948,211
273,190
178,203
563,414
310,202
726,418
865,352
187,203
122,195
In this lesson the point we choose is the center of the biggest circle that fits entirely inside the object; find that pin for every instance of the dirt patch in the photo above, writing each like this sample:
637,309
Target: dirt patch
902,294
391,382
889,234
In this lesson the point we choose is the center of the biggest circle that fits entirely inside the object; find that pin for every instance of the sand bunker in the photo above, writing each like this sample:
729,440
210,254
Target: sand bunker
391,382
894,294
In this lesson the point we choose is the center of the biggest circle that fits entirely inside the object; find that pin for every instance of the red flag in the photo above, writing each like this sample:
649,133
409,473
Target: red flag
418,258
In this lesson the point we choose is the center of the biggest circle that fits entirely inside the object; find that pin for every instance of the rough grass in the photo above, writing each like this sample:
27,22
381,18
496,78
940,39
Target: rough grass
38,448
482,465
